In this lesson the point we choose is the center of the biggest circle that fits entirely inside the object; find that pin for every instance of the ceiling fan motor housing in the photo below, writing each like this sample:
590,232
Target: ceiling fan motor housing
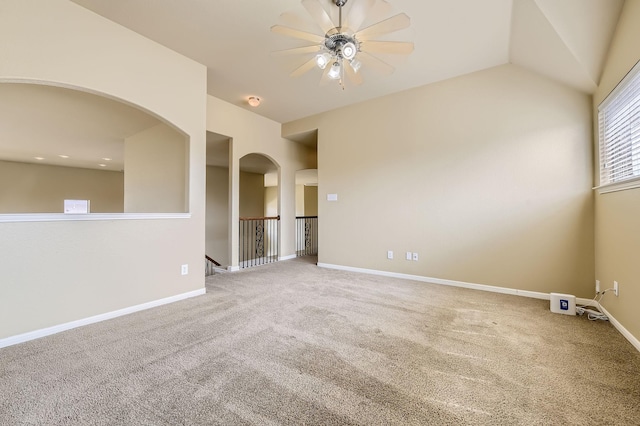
342,44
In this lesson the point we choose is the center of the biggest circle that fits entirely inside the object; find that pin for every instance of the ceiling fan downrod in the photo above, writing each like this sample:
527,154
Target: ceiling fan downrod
340,3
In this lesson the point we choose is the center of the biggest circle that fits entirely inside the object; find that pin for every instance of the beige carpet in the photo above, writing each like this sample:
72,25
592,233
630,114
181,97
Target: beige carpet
290,343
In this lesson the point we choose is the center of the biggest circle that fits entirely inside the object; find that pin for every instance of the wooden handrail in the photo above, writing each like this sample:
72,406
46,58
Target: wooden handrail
211,260
261,218
306,217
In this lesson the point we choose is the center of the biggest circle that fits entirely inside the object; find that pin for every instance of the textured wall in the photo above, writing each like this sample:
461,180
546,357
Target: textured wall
618,213
38,188
486,176
86,268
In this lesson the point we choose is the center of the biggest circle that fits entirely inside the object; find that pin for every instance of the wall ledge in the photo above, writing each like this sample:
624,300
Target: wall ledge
32,335
504,290
62,217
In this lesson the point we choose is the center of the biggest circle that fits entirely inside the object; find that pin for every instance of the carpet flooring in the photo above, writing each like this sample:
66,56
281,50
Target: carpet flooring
293,344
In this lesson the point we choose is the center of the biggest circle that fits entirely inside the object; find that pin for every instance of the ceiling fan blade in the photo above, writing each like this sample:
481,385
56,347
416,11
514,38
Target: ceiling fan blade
395,23
358,12
290,32
297,50
370,61
354,77
392,47
318,13
307,66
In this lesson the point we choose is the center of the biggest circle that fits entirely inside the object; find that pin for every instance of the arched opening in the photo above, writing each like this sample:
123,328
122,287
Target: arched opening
259,210
62,144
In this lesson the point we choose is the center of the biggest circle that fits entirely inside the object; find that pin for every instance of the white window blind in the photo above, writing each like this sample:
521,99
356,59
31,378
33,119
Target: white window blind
619,125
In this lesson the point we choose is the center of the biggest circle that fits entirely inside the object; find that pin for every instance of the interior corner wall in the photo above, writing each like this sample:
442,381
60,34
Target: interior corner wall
617,214
91,267
486,176
217,232
40,188
154,171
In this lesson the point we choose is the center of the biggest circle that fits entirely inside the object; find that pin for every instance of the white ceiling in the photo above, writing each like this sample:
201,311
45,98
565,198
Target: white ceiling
566,40
563,39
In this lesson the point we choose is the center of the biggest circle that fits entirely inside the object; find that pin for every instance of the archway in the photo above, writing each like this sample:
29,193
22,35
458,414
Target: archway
259,210
66,144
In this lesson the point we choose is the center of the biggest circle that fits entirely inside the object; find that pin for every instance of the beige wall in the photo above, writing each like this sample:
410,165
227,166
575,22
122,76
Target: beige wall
251,194
251,133
39,188
617,225
155,171
486,176
271,201
310,200
299,200
129,262
217,233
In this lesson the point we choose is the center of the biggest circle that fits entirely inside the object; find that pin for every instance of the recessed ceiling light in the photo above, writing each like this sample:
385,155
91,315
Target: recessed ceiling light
39,158
254,101
102,165
63,156
106,158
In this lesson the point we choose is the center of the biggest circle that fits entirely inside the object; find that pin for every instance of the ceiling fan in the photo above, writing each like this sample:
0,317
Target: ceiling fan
344,47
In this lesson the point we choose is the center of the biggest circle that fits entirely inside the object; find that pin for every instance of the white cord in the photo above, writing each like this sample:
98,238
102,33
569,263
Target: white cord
593,315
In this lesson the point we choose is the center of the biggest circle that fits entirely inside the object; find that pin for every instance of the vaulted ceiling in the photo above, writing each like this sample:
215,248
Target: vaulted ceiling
566,40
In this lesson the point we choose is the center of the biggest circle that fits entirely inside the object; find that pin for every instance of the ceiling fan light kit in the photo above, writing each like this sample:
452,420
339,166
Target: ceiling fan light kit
345,48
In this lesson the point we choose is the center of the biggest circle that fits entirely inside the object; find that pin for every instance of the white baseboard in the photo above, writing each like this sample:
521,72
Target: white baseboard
289,257
533,294
483,287
626,333
233,268
25,337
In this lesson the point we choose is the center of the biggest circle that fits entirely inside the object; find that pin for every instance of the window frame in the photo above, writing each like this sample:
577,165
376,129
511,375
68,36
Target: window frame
629,84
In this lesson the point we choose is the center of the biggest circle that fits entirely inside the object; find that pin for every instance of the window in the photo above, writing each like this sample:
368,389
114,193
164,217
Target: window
619,124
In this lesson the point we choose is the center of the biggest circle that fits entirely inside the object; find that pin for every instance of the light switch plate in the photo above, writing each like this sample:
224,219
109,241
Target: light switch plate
77,206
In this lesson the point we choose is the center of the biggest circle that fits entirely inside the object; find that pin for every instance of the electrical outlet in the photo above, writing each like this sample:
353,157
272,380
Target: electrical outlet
390,254
185,269
409,255
615,288
597,286
415,256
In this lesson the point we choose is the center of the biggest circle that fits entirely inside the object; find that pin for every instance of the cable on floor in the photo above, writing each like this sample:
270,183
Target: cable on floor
592,314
